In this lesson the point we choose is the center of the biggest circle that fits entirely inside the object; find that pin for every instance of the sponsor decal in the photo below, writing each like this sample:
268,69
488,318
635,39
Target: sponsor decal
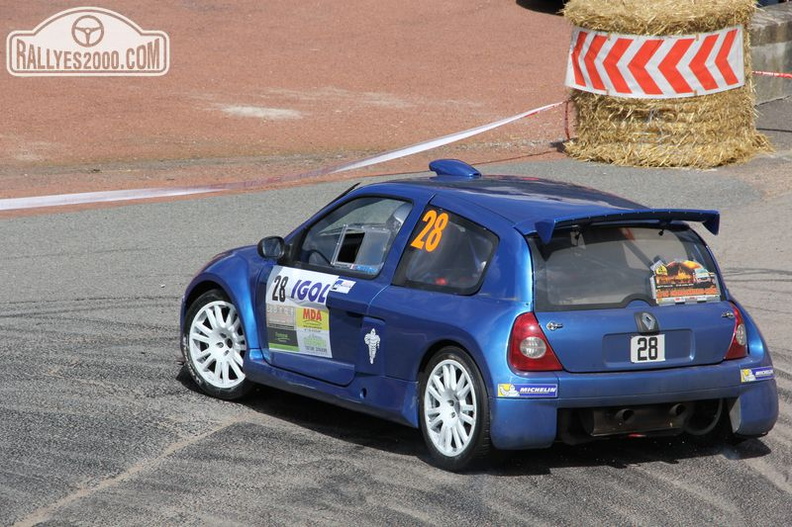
684,281
281,327
368,269
528,390
372,340
310,291
87,42
342,286
297,317
756,374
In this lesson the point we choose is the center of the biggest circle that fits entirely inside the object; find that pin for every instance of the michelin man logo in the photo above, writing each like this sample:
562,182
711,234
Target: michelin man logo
372,340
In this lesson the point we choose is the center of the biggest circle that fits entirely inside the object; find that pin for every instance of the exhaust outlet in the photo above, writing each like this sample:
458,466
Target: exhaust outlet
624,415
678,410
641,419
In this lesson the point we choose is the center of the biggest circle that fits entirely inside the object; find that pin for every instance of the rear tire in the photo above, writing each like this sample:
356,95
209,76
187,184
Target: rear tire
214,346
711,426
454,410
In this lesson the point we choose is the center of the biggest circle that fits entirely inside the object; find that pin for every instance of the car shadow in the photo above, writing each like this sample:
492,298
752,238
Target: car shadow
622,454
326,418
552,7
339,423
372,432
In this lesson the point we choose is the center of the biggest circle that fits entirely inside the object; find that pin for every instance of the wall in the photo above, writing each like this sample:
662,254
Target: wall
771,50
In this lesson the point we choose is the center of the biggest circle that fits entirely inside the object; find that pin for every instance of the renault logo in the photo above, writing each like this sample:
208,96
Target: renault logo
647,323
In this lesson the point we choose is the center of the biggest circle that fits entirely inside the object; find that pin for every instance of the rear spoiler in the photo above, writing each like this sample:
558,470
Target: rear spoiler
545,228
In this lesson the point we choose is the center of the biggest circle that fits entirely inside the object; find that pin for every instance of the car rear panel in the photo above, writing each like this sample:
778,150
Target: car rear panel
599,340
629,297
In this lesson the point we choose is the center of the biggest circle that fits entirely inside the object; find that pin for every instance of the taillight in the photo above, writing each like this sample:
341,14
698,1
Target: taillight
739,342
528,347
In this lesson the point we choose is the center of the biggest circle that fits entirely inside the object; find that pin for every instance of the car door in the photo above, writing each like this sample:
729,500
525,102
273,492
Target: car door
315,303
433,296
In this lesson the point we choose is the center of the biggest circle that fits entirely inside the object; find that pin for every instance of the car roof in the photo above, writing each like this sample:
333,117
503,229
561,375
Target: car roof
519,199
535,205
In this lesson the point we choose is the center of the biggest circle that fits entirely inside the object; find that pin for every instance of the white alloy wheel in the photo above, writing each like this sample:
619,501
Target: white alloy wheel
217,345
450,408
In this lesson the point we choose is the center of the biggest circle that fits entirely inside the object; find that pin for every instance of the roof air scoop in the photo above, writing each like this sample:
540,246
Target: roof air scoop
451,169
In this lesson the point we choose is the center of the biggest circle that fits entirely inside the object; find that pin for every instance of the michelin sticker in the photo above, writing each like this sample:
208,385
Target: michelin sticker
297,317
372,340
756,374
528,390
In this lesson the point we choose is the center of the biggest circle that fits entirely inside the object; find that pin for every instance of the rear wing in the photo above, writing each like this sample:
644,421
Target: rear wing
545,228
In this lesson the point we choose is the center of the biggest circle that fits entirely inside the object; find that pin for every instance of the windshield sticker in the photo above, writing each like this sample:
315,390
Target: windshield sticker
682,281
297,317
756,374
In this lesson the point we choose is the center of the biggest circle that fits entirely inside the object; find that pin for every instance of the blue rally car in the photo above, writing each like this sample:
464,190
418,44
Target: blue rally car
490,312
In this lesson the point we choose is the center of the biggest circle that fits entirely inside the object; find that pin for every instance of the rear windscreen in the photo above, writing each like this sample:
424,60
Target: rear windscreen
612,266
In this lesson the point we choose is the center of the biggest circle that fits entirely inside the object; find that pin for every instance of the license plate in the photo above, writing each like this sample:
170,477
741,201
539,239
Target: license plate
647,348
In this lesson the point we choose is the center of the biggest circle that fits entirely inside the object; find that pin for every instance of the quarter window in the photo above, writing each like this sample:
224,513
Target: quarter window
447,253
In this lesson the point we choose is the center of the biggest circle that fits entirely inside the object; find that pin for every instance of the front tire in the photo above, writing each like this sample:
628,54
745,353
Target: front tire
454,410
214,346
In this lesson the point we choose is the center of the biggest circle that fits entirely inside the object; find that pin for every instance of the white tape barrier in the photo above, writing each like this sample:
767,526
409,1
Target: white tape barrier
773,74
61,200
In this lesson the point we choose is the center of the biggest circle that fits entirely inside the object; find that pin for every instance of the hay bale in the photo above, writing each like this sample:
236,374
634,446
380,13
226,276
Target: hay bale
704,131
659,17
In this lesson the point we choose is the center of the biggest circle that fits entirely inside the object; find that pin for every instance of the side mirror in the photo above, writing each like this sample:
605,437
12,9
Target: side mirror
273,247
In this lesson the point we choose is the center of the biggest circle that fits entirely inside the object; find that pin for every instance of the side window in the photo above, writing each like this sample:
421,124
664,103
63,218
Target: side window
356,236
446,253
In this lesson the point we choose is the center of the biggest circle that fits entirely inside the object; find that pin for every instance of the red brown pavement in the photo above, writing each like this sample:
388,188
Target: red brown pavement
276,86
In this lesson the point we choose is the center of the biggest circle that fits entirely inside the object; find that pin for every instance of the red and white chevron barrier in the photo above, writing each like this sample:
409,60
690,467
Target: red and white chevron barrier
656,67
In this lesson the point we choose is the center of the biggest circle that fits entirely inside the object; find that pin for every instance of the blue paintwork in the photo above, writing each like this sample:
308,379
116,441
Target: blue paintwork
450,169
414,323
545,228
235,273
684,347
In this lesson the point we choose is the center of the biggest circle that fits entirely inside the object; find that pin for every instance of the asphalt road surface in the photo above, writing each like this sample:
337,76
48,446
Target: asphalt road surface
99,425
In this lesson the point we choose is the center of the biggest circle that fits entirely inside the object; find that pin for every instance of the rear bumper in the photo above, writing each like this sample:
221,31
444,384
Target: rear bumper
526,416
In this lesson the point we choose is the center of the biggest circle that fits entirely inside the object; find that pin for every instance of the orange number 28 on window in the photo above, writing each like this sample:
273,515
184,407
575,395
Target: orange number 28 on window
429,237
